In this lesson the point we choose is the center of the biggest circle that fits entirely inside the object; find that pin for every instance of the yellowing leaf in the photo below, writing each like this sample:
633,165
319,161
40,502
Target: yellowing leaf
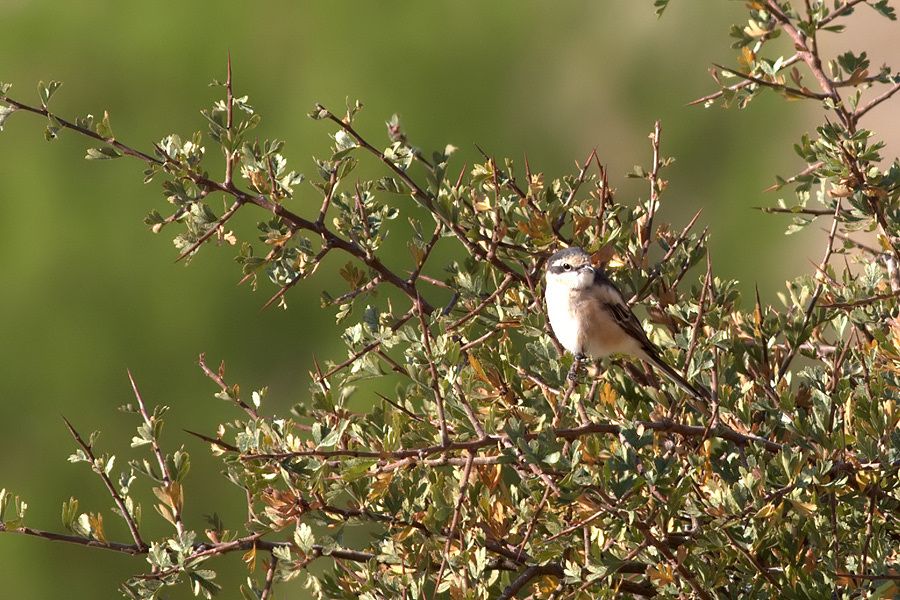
661,574
380,485
249,558
608,395
766,511
476,366
747,58
96,521
804,508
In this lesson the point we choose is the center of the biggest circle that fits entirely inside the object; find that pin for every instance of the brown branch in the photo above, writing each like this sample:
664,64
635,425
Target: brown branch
864,557
160,457
531,523
796,210
522,580
316,261
132,549
753,560
419,194
645,232
126,150
218,380
214,441
679,566
812,168
869,576
862,302
507,281
435,379
701,310
229,122
810,308
270,579
213,229
368,347
463,484
663,426
838,12
810,57
329,238
657,270
117,498
738,86
804,93
864,247
876,101
429,246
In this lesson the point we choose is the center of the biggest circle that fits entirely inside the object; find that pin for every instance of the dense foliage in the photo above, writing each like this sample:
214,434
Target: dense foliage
486,473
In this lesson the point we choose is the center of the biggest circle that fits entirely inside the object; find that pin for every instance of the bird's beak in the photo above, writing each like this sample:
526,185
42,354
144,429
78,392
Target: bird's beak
589,268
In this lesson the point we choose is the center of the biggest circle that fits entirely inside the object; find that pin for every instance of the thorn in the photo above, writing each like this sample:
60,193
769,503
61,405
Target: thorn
461,173
212,440
69,426
400,408
590,157
277,295
319,375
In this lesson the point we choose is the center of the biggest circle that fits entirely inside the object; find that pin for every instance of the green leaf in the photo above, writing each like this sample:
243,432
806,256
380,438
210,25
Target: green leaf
104,153
52,130
103,128
46,91
885,9
5,111
333,436
660,6
304,538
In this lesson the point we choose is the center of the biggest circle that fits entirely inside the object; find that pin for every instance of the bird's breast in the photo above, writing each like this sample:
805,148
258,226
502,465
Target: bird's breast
563,320
583,326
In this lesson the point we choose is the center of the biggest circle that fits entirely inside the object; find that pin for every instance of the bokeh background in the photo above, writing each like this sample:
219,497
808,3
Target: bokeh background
87,291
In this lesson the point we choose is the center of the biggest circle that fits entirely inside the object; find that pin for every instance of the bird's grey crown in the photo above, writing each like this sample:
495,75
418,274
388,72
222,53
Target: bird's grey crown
572,253
574,257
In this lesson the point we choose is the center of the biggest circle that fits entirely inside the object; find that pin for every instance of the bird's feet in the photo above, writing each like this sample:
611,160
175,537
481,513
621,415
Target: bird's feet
573,372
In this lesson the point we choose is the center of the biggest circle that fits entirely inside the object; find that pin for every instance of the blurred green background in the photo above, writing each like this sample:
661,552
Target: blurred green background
88,291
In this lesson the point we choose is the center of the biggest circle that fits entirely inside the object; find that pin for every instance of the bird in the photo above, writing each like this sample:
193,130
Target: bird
591,318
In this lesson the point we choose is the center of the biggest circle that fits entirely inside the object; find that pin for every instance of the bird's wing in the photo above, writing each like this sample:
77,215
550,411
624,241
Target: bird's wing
614,304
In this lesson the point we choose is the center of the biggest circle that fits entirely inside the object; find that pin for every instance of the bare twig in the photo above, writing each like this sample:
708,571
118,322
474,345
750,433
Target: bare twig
664,426
435,379
862,301
804,93
117,498
738,86
270,578
861,111
810,308
463,485
229,123
679,566
218,379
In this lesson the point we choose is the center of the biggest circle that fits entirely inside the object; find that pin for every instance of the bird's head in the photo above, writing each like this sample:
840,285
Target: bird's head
570,269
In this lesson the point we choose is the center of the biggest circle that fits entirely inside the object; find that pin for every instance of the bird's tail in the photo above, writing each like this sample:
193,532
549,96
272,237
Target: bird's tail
674,376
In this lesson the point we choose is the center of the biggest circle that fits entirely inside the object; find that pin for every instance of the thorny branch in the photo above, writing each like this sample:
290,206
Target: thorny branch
379,453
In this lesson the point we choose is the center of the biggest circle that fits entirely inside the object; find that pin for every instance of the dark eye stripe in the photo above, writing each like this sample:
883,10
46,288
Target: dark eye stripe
561,268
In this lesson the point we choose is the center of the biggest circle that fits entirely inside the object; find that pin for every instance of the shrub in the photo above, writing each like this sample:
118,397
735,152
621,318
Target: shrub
486,473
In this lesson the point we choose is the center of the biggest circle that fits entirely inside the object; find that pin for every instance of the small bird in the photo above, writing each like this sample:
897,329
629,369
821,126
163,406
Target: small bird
591,319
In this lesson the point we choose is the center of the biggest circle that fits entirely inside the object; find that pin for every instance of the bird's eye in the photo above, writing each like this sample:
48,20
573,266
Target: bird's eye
567,267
